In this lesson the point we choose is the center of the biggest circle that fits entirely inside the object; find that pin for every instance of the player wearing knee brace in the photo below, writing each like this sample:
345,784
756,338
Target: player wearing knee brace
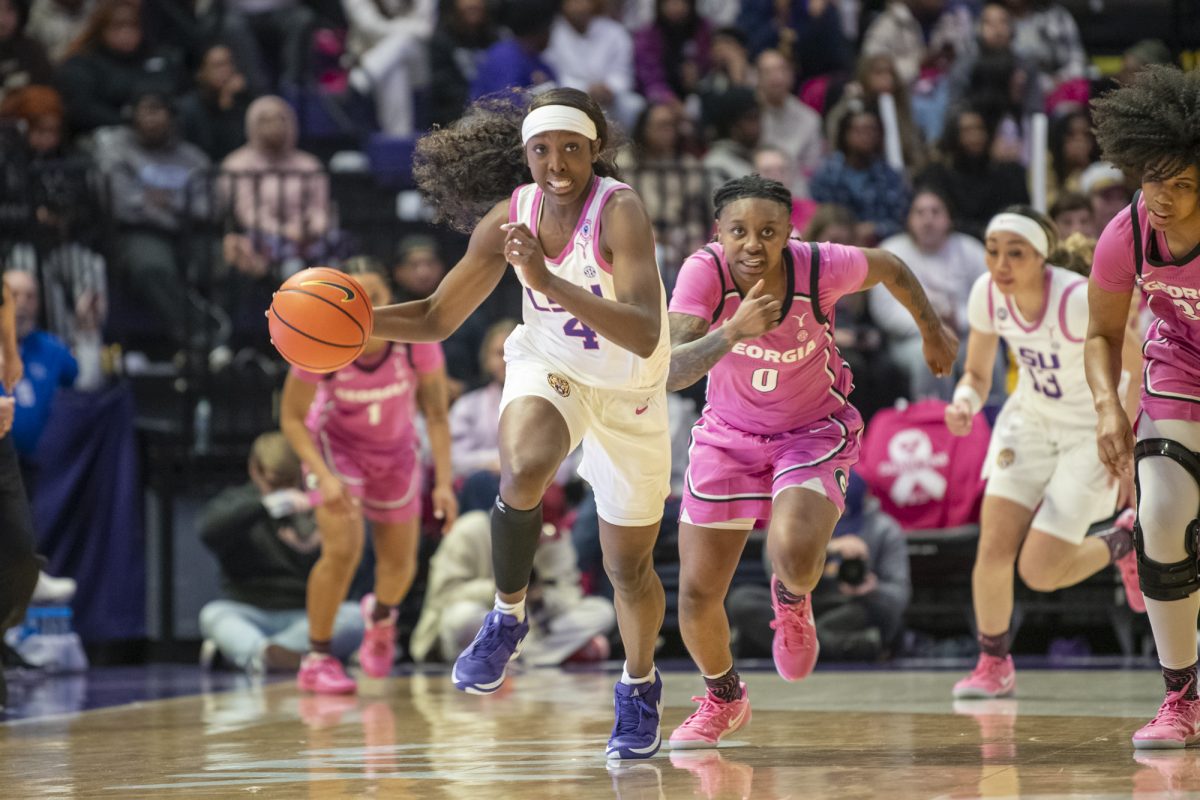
1148,129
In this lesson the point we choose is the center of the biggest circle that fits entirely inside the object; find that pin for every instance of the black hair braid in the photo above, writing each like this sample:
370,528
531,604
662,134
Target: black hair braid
751,186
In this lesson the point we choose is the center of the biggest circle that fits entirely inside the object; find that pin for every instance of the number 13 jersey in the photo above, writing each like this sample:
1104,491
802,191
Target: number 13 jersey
1048,350
793,375
551,334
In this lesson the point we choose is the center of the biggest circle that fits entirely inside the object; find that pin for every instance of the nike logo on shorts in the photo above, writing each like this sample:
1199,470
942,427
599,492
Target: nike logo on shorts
640,411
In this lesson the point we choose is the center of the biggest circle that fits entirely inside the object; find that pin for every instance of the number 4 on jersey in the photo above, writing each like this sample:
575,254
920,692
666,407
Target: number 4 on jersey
573,327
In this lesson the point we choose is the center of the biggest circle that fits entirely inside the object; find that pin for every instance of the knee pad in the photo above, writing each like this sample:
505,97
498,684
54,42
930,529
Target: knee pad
1176,580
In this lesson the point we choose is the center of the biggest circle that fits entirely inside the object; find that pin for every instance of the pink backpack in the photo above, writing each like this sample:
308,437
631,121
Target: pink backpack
923,475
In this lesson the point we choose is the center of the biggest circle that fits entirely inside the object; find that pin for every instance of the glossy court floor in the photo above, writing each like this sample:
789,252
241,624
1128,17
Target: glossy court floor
893,734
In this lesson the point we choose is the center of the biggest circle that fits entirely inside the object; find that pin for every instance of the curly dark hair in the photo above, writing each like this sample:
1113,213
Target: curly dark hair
751,186
467,168
1151,128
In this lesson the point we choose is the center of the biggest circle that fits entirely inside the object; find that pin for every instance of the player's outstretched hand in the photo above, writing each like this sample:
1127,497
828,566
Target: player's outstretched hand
522,249
959,418
445,506
757,314
941,350
1114,442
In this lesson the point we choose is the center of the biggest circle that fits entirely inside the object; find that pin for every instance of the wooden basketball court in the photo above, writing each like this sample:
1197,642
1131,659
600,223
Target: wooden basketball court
860,734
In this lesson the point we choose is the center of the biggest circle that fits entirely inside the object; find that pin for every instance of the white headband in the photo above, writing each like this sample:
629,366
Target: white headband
1022,226
556,118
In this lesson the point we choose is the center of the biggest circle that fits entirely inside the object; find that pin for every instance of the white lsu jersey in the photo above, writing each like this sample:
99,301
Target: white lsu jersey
1048,350
549,332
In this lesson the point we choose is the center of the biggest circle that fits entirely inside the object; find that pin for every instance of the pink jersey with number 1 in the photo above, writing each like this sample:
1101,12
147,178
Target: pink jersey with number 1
793,375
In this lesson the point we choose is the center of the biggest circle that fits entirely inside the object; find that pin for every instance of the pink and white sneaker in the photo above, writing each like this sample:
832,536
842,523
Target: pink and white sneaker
378,651
992,677
1177,725
711,721
1127,566
324,675
795,646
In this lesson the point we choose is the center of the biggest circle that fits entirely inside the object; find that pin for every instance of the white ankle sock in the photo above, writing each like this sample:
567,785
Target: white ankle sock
629,680
516,609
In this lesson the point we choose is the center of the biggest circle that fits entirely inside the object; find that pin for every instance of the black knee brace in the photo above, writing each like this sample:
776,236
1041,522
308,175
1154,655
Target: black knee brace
1179,579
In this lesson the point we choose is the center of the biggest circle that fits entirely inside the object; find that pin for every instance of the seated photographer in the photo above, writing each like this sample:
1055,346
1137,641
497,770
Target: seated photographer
860,602
265,538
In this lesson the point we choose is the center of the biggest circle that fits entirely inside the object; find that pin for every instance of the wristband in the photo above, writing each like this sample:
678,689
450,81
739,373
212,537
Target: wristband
972,398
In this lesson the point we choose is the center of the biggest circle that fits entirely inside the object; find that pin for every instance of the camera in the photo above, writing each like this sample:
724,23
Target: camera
852,571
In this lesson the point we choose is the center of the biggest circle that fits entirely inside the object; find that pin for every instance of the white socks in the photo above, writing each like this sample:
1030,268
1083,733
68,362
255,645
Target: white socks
516,609
631,681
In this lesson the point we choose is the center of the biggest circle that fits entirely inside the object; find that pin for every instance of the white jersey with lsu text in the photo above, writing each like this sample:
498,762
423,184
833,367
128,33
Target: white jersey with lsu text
1048,350
549,332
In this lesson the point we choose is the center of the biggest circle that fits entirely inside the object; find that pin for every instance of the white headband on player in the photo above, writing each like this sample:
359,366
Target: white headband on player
557,118
1022,226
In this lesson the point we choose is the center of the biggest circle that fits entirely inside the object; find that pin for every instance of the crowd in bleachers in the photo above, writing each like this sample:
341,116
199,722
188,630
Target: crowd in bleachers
169,161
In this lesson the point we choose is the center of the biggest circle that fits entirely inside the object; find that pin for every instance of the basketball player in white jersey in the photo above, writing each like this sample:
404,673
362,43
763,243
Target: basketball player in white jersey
588,364
1045,482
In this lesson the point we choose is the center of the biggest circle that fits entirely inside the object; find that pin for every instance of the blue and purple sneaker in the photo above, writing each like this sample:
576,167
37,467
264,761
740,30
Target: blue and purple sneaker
481,667
636,732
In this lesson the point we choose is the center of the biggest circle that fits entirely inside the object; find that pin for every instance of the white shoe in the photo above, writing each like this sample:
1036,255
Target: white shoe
53,591
208,653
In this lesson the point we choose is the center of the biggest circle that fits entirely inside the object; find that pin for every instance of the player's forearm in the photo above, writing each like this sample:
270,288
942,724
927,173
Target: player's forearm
1102,364
692,361
416,321
439,443
636,328
907,290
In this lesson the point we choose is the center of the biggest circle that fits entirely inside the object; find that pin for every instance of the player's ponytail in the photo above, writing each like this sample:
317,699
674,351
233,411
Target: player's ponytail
1076,253
465,169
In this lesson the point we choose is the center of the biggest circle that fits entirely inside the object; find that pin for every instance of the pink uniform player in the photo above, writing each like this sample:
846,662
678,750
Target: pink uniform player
754,311
355,432
1148,130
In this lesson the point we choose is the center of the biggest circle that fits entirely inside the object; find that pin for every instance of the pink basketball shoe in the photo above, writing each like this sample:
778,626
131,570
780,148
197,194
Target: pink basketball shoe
795,646
378,651
711,721
992,677
1176,725
1127,566
324,675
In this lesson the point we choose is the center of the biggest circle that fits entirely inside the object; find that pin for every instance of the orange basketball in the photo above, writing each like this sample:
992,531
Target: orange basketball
320,319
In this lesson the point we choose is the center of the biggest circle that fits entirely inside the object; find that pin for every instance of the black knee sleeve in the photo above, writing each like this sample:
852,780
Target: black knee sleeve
1179,579
515,537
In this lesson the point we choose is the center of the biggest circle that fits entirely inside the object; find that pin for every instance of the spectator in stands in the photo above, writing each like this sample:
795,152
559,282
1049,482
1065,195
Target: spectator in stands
516,61
23,60
157,190
809,33
594,53
57,23
279,195
49,366
1072,213
1073,149
108,63
1107,189
876,76
195,26
774,164
787,123
213,115
563,623
282,33
389,41
737,121
1045,33
729,68
264,537
994,37
670,182
638,14
672,55
860,602
919,35
1145,53
58,214
419,268
977,185
947,264
857,176
464,32
475,425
